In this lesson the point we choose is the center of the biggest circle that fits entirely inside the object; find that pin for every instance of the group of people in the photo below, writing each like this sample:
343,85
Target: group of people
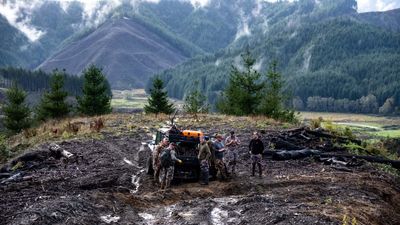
221,153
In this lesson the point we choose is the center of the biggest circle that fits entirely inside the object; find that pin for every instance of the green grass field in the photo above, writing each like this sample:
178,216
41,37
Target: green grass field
374,126
133,99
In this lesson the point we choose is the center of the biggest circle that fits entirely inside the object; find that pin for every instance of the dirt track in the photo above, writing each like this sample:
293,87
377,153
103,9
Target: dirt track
107,184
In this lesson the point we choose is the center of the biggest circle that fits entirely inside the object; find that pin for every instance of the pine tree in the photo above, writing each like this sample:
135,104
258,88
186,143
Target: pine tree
16,112
195,102
272,103
158,100
53,103
273,98
96,98
242,95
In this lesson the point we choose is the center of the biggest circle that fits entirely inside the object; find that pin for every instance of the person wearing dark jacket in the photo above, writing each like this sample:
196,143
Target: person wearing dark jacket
256,148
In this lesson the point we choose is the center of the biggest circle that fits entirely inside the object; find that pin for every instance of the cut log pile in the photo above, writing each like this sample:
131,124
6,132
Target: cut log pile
303,142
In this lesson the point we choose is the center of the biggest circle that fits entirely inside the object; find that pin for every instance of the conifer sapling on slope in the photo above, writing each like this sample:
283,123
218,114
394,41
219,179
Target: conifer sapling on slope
96,98
53,103
17,113
196,102
158,100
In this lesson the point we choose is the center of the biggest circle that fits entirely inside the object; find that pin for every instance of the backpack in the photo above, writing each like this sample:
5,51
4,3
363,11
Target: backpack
165,158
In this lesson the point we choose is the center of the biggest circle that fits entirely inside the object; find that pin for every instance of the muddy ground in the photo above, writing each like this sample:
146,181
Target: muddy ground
107,184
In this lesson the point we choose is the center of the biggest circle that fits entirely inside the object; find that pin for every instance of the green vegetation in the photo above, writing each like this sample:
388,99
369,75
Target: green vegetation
195,102
37,81
53,103
96,97
315,50
243,94
248,93
158,100
17,113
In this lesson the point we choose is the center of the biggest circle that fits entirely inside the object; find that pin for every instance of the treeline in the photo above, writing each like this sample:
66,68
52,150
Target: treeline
95,100
366,104
37,81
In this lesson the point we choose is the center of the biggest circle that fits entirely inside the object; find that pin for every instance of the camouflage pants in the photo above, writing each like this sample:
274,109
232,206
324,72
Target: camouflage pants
220,166
166,176
231,157
205,170
156,167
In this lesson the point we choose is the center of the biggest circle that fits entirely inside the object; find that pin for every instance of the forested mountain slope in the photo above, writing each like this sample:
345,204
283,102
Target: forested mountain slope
323,49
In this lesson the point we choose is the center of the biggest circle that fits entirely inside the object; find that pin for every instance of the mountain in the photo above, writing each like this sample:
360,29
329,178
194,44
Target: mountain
12,45
323,48
128,50
53,22
389,19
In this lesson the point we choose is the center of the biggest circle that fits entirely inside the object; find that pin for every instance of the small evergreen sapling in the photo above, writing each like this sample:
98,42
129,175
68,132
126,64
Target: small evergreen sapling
53,103
16,112
96,98
158,100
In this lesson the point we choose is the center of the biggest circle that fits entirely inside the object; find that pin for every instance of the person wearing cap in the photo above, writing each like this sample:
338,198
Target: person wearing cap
232,143
219,150
204,158
167,172
156,158
256,148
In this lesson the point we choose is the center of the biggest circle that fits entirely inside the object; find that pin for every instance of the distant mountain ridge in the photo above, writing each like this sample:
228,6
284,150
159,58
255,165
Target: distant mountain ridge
128,52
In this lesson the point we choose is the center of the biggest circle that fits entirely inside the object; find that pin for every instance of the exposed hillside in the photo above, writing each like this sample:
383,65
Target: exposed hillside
323,49
128,50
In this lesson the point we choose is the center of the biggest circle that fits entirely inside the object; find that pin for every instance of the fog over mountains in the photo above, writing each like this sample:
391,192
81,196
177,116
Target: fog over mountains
314,41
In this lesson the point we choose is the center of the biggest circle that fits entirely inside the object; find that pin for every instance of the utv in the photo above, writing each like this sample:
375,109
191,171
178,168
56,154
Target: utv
187,150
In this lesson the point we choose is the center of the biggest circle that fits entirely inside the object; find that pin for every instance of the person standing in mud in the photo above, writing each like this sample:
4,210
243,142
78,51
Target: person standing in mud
167,161
232,143
219,149
256,148
204,158
156,158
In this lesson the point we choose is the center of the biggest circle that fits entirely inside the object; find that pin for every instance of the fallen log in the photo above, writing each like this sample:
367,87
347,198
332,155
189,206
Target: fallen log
374,159
304,153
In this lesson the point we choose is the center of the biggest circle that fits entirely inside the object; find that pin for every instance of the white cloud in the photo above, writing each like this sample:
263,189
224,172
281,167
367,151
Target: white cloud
377,5
243,27
18,14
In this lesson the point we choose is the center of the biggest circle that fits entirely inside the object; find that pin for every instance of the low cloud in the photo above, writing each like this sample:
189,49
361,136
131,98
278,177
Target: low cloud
377,5
18,14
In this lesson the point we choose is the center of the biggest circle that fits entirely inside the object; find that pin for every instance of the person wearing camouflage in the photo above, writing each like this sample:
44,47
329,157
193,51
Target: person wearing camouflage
156,157
204,158
167,169
219,149
232,143
256,148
